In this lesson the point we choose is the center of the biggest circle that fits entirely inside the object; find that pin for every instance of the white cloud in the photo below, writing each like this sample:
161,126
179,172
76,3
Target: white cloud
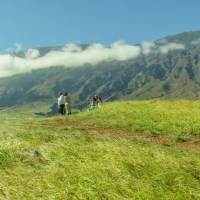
72,55
195,42
32,54
147,47
171,46
17,47
69,56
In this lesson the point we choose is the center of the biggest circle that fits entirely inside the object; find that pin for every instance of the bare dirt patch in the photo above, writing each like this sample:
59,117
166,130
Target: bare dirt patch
190,145
93,130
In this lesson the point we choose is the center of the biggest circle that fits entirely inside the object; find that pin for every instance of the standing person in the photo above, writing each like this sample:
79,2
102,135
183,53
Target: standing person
68,106
61,104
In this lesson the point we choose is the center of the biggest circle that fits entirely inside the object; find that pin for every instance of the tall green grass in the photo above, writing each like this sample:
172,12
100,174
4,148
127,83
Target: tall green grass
175,118
49,158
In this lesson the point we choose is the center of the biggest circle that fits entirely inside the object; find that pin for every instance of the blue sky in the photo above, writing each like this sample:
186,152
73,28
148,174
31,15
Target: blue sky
38,23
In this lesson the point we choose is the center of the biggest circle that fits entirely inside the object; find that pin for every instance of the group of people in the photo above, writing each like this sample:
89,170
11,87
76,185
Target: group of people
64,104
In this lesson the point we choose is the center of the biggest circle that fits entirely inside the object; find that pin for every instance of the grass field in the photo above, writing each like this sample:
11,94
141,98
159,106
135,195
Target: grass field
124,150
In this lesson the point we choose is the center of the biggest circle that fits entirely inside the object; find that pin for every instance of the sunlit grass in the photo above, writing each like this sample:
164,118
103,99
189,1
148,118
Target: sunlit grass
177,118
42,159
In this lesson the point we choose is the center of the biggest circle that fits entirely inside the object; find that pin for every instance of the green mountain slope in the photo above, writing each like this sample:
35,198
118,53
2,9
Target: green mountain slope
171,75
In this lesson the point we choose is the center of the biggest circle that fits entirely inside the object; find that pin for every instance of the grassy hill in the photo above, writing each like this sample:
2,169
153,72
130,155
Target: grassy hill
124,150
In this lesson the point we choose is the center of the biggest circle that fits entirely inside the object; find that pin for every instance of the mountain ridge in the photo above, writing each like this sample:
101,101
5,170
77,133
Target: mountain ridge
174,74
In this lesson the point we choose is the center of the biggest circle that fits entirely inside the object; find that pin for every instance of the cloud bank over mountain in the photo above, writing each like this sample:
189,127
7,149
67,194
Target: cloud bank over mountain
73,55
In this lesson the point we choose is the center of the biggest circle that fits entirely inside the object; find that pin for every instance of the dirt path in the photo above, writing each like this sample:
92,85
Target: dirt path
122,132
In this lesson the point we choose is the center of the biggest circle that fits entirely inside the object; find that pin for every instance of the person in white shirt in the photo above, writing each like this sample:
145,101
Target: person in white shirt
61,104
